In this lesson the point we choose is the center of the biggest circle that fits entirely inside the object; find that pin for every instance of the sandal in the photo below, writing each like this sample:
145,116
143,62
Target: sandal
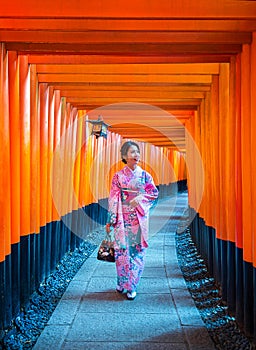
131,295
119,289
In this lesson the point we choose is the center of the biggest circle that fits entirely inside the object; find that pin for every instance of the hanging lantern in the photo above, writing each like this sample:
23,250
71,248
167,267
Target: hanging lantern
99,127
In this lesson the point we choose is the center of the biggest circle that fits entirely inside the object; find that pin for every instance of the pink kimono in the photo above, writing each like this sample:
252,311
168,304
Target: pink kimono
130,224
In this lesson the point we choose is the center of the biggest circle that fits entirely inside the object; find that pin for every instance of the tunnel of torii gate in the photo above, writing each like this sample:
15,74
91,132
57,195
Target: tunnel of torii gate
178,77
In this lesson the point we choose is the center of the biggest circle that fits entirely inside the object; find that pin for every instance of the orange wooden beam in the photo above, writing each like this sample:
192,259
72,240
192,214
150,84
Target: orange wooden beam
122,37
98,88
159,102
125,48
167,107
165,68
133,9
126,78
132,24
55,58
154,95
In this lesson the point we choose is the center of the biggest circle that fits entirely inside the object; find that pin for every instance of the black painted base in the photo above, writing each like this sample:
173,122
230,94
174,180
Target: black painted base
236,277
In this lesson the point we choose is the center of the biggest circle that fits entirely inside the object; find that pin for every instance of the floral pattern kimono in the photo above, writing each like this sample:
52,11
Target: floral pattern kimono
130,224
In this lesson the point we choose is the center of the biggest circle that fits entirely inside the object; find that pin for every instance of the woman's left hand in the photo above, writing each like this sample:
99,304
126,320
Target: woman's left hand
108,228
135,201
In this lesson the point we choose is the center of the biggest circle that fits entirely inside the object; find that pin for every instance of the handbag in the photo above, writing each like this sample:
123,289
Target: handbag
106,250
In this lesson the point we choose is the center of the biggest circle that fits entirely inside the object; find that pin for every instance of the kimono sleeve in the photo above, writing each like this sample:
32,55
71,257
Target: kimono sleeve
147,199
114,198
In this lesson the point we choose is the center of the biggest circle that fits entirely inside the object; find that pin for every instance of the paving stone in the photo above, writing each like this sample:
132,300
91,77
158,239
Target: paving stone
101,284
122,346
87,270
52,337
151,261
105,269
75,290
170,259
64,312
198,338
154,272
186,309
175,280
153,285
118,303
125,327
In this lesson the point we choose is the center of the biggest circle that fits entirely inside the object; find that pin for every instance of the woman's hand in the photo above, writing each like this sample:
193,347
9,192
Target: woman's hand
108,228
135,201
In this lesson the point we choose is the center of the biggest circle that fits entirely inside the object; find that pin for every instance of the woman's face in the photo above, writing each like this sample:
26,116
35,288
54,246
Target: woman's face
133,156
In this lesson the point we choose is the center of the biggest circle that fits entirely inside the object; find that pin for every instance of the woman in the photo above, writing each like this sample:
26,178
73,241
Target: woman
132,194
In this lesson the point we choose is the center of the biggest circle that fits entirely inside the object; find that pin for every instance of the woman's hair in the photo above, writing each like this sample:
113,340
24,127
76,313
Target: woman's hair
125,147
